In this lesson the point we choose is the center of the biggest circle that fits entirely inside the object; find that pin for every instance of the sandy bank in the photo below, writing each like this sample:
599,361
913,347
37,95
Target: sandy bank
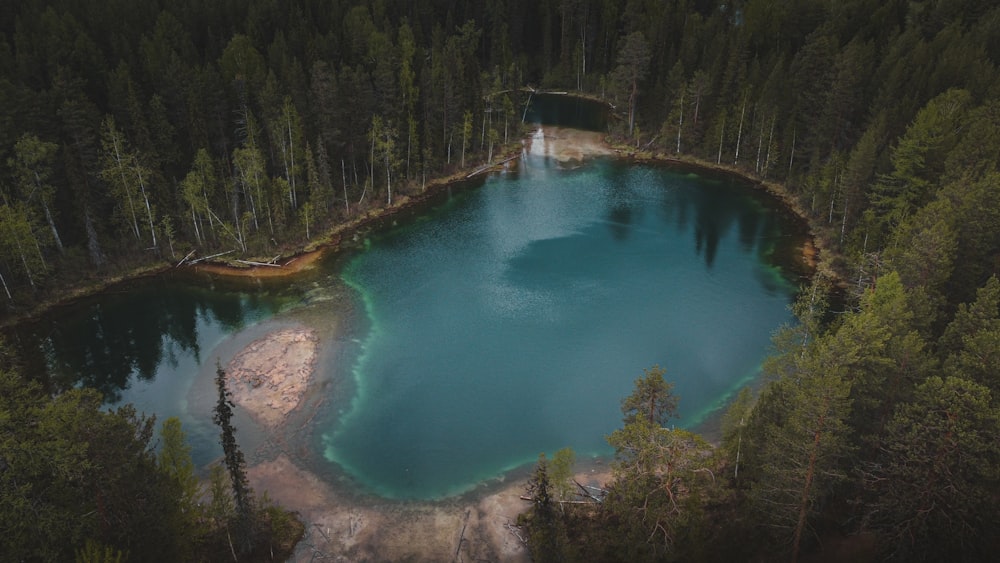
294,265
269,377
565,144
342,529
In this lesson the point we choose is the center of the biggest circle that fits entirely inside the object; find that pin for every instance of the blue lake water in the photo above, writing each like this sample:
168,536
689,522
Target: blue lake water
513,319
510,318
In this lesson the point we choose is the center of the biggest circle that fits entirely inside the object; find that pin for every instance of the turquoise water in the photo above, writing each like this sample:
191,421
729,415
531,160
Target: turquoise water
513,320
509,320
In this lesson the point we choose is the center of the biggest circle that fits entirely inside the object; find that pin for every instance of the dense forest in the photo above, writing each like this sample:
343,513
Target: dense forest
133,132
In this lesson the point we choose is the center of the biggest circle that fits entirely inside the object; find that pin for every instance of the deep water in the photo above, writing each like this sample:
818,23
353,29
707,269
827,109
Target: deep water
513,319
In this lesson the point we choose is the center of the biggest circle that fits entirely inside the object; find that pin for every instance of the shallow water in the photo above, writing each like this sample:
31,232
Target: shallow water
512,320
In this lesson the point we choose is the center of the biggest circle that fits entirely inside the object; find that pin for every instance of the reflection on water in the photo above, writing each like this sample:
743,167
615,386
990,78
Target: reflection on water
143,342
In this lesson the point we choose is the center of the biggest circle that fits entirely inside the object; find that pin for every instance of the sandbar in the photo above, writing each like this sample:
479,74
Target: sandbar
269,377
566,144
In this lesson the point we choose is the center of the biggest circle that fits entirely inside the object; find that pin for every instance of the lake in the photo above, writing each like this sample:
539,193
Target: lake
509,318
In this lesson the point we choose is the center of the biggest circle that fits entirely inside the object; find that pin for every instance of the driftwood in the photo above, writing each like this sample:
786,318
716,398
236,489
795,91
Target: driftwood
486,167
251,263
212,256
513,530
461,537
183,260
586,493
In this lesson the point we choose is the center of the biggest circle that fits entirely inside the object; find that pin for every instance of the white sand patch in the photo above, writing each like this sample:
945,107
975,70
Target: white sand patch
565,144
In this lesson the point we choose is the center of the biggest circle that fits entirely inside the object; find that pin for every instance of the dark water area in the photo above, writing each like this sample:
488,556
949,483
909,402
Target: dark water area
506,319
145,341
565,110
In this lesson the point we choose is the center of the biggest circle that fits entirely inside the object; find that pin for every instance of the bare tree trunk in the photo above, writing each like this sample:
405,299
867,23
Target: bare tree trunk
791,157
722,136
371,168
843,222
291,156
806,488
52,225
388,179
93,244
343,174
149,211
767,157
5,288
760,145
128,195
833,201
680,122
194,222
739,134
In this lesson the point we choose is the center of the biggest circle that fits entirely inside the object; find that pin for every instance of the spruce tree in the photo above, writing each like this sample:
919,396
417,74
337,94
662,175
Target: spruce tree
236,465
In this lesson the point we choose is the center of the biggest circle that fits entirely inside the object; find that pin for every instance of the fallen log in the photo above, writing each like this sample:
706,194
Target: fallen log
486,167
251,263
212,256
513,530
185,258
585,492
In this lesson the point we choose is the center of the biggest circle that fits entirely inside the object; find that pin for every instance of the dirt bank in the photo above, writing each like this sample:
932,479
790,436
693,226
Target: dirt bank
293,265
344,529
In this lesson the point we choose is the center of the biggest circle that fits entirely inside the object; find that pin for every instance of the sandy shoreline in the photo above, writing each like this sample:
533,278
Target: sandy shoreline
273,381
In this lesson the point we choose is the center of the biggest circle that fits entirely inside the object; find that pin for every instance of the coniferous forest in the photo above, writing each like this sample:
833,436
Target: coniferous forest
133,132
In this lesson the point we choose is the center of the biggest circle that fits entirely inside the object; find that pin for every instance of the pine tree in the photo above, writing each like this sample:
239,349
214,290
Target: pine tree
245,516
937,476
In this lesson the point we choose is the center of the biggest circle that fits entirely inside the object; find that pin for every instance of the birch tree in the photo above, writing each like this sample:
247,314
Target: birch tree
33,163
19,243
122,170
198,190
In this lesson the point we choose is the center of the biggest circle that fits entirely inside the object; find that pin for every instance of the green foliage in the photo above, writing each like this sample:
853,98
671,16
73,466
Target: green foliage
881,118
734,423
652,400
175,460
660,476
245,517
633,65
546,541
937,476
800,451
561,473
93,552
83,475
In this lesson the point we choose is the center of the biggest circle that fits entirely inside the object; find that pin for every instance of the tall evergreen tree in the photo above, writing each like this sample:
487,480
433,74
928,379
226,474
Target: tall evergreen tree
245,523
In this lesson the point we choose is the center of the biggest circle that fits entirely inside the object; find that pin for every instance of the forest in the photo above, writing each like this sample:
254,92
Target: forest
135,132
